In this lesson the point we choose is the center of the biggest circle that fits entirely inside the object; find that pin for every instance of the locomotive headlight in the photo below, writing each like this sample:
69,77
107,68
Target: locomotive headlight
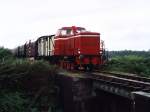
79,51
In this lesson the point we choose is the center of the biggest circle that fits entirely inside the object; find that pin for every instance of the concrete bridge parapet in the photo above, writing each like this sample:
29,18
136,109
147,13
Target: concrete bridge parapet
81,94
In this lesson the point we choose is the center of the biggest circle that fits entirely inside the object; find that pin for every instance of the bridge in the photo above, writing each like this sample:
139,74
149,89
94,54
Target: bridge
102,92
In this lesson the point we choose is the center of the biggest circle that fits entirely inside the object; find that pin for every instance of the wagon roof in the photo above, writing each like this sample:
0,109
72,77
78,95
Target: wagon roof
45,36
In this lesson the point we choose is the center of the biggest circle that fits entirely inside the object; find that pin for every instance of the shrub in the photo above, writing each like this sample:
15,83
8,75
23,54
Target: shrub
14,102
28,77
21,77
5,54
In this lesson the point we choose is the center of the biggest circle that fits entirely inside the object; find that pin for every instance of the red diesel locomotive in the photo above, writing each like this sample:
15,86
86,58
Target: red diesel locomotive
71,48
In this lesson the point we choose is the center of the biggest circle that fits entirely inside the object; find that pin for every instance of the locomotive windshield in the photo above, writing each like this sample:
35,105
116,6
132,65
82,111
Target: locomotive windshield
70,31
80,30
66,32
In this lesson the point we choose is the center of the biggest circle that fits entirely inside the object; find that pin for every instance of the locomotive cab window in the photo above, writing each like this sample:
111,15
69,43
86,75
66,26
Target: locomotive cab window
63,32
66,32
58,32
80,30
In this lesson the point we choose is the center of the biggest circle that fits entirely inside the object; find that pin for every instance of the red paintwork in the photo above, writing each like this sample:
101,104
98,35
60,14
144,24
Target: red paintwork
84,46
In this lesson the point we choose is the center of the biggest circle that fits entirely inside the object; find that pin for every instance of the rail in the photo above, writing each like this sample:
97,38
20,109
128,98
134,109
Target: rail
128,76
133,83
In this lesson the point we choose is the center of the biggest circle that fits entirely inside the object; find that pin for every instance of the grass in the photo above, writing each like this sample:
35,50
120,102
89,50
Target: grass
131,63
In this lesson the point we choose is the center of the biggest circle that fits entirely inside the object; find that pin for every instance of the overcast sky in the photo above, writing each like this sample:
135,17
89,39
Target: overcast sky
123,24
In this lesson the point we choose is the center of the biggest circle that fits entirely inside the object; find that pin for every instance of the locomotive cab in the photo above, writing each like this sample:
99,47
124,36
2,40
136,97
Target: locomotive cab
63,40
69,31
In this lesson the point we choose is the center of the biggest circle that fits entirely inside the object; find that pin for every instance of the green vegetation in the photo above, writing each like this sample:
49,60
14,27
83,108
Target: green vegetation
144,54
12,101
5,54
23,82
28,86
130,63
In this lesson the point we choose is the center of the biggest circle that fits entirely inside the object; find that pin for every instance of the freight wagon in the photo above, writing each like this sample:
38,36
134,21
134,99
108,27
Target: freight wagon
45,46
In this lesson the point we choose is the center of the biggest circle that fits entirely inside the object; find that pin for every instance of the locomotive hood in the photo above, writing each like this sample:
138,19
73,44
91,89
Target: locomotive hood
88,33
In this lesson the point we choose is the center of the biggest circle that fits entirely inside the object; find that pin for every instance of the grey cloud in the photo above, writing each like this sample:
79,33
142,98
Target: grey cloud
120,22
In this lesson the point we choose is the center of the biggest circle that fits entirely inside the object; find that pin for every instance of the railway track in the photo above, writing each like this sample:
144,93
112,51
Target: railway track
128,82
128,76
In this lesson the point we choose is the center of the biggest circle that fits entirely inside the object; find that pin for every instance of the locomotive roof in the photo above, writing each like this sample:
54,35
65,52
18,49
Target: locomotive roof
71,27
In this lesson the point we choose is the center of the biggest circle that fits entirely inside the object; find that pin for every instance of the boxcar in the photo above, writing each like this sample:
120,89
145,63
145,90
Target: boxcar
45,46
